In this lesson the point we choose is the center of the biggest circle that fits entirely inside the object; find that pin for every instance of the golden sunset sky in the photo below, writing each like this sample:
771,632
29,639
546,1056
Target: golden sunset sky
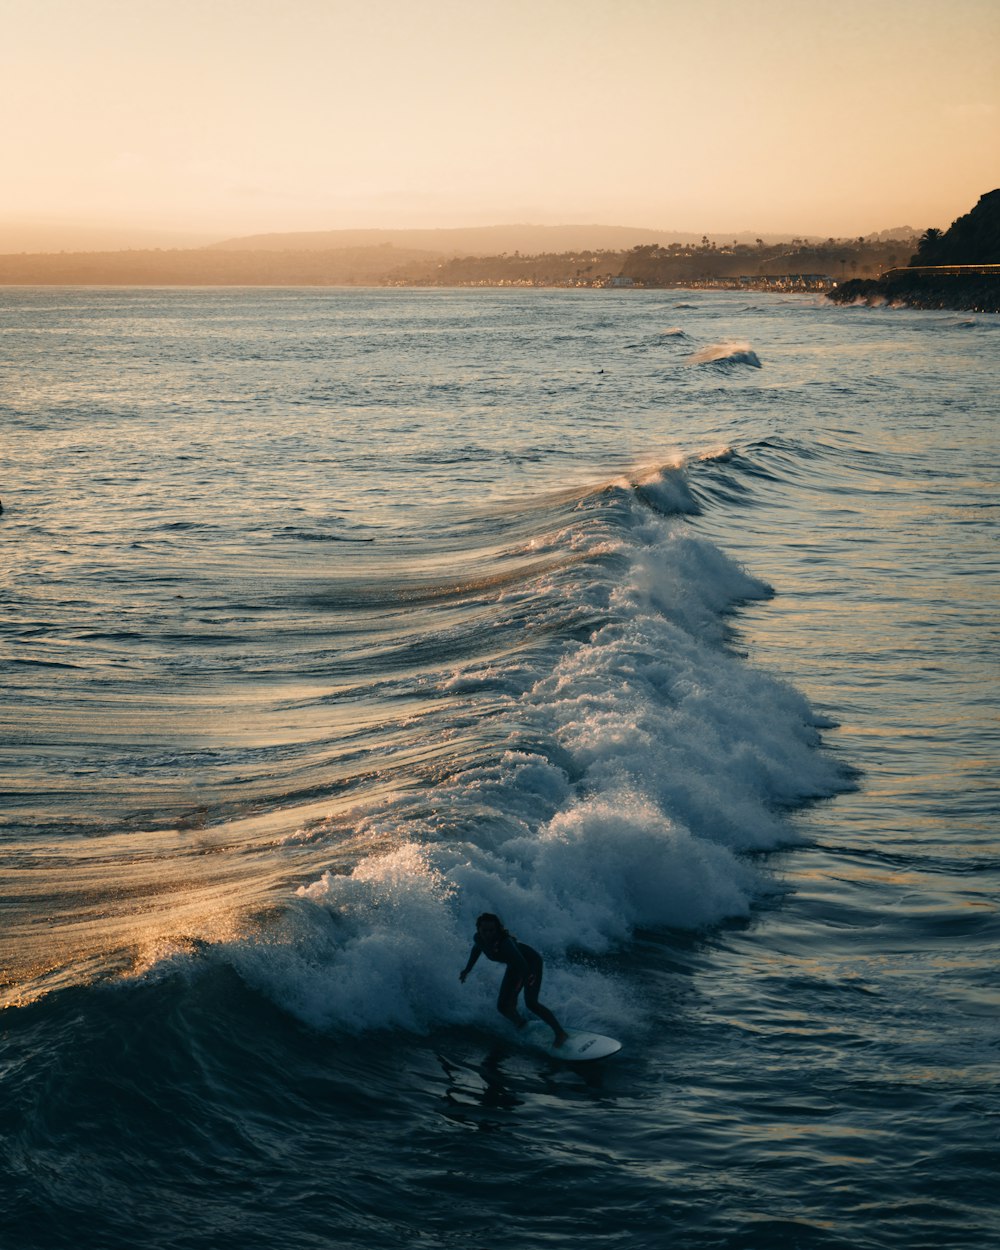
225,117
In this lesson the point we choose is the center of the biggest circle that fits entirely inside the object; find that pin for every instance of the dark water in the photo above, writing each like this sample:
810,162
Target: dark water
663,626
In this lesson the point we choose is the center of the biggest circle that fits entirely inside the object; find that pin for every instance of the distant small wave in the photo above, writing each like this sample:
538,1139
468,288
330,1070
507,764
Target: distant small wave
673,334
318,536
727,354
459,455
35,663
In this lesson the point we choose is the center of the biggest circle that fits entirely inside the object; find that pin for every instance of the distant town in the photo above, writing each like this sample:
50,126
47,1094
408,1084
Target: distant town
796,264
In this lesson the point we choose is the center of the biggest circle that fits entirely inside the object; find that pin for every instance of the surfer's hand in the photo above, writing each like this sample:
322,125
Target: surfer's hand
462,975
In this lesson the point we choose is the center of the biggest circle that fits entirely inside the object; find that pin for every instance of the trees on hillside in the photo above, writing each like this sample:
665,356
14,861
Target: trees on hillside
972,239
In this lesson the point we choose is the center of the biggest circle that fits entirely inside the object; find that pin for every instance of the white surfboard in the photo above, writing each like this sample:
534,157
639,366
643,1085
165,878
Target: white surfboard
578,1047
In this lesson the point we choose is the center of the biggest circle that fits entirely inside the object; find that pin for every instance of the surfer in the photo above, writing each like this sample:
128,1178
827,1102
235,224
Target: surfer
524,972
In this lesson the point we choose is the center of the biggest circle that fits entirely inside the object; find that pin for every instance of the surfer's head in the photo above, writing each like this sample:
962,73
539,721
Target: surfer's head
490,927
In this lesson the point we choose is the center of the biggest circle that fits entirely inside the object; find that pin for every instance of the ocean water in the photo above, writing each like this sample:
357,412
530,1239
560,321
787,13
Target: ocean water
661,623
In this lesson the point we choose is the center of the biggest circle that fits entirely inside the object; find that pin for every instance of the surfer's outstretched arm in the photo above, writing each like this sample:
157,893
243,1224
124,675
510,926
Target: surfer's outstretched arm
474,954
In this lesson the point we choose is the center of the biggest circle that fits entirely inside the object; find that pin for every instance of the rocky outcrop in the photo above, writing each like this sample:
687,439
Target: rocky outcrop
961,292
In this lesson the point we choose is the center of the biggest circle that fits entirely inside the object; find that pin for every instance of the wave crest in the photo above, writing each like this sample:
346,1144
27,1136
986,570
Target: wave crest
726,354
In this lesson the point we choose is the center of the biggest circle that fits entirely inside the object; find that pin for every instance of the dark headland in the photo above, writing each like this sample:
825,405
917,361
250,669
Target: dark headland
958,268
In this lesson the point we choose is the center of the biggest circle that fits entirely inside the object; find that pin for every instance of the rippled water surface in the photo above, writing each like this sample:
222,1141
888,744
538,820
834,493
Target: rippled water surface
661,623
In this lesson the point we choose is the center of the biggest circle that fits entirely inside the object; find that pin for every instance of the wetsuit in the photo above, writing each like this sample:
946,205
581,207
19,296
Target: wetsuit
522,962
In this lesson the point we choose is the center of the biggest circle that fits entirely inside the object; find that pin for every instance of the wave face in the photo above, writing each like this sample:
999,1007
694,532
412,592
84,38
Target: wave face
335,618
568,698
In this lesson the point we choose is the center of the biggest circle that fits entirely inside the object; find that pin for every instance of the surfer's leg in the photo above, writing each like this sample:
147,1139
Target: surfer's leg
539,1009
510,987
543,1013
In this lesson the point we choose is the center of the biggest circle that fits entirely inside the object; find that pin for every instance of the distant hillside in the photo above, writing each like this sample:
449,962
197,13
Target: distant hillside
645,265
898,234
471,240
520,255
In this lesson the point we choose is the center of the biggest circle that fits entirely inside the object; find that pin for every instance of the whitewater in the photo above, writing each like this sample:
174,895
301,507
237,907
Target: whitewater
662,624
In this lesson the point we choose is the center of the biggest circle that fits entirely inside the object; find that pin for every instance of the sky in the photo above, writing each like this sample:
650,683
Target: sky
213,118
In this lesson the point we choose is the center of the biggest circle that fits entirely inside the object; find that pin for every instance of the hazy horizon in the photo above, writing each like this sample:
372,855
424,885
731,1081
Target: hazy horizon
53,237
166,124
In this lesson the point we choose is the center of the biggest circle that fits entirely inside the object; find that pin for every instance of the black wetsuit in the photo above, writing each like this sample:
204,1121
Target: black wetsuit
523,962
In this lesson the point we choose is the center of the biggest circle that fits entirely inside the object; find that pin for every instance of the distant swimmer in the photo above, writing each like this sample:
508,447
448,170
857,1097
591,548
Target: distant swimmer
524,971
